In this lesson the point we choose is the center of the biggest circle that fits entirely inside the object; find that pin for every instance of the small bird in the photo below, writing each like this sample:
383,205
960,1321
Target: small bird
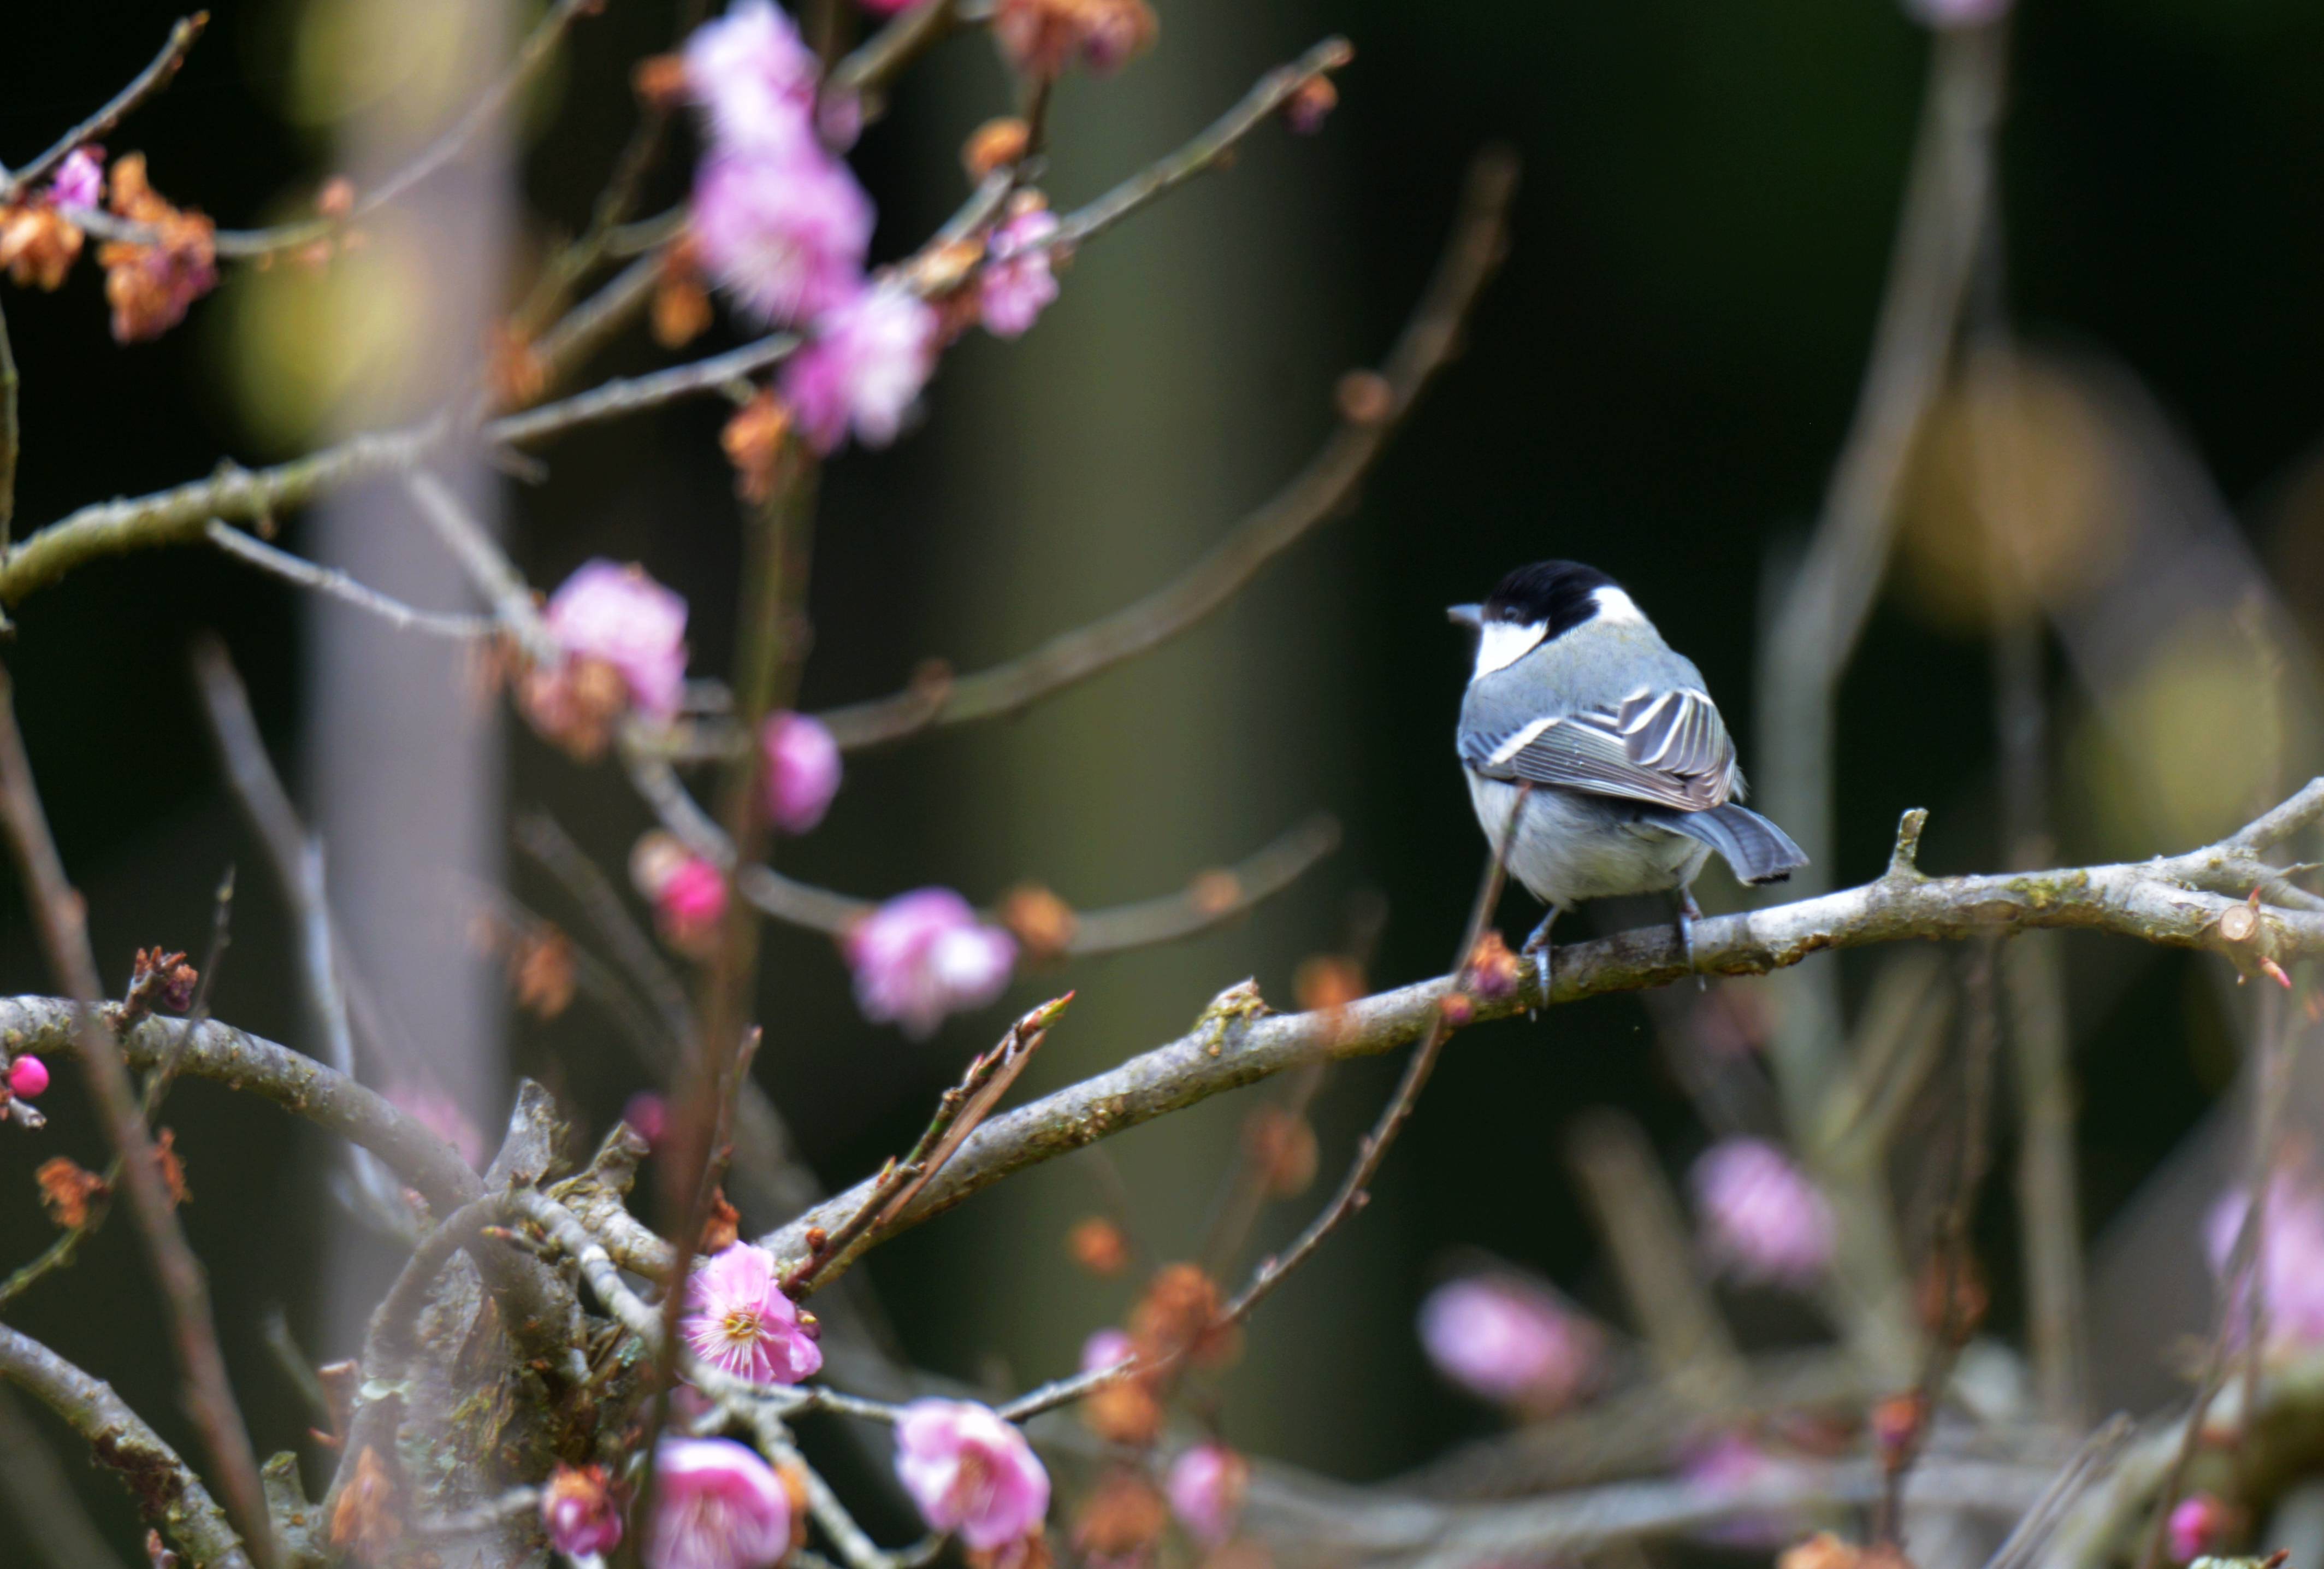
1598,739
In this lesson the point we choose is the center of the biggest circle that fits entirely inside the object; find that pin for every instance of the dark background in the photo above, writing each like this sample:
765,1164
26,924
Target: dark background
1657,383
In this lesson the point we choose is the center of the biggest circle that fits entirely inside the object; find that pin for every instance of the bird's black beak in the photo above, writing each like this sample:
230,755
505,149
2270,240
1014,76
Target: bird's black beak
1471,616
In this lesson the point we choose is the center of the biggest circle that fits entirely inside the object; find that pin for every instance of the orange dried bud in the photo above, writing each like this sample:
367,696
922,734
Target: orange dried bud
1822,1551
1214,893
173,1169
1240,1553
1041,921
794,1480
1456,1009
1098,1246
1281,1149
993,144
1305,110
365,1524
1122,1516
574,707
515,366
541,972
1178,1304
1125,1411
151,287
1363,398
752,441
37,245
1897,1425
1030,1551
724,1224
336,199
1493,972
1328,981
660,79
68,1190
1970,1297
1041,37
681,301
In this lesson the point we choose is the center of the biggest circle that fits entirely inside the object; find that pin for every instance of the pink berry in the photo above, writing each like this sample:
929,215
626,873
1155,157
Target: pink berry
27,1076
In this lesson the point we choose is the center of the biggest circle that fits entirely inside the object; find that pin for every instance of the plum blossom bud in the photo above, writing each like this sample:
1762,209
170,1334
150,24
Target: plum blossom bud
970,1471
1106,1348
618,616
1039,38
1510,1341
863,369
924,954
1762,1219
755,78
801,770
739,1320
785,232
81,178
994,143
28,1077
579,1512
690,905
2199,1524
1948,14
2291,1265
1017,283
716,1506
648,1116
1206,1487
1308,108
1098,1246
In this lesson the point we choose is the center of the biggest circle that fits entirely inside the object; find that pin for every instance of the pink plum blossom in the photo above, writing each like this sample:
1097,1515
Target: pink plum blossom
785,232
970,1472
1206,1486
619,615
81,178
1510,1341
28,1077
924,954
863,368
690,904
754,78
579,1512
2199,1524
1945,13
739,1320
1107,1347
1762,1219
801,769
716,1506
2290,1267
1018,282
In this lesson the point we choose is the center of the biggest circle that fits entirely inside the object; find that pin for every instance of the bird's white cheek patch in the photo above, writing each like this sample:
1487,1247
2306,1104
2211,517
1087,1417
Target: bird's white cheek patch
1619,608
1500,645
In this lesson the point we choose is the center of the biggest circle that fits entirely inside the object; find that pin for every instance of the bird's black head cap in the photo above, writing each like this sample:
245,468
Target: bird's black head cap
1557,594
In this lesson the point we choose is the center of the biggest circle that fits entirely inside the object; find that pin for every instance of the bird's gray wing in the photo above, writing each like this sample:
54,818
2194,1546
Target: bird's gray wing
1669,748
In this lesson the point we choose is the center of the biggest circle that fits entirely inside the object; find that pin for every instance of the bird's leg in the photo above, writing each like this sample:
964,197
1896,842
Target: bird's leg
1537,946
1689,912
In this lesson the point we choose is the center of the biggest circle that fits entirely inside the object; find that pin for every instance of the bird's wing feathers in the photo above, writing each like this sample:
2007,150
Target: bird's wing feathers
1666,747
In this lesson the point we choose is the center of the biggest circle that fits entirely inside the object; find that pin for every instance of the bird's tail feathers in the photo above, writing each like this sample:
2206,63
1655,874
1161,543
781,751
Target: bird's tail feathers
1755,849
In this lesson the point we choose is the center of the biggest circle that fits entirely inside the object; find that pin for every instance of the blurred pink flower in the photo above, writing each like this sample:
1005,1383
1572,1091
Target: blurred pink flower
647,1115
1017,283
785,232
1206,1486
2291,1268
1955,12
739,1320
1510,1343
81,178
1106,1348
801,770
579,1512
441,1115
716,1506
28,1077
619,615
971,1472
690,905
1761,1217
754,78
924,954
863,367
885,7
2199,1524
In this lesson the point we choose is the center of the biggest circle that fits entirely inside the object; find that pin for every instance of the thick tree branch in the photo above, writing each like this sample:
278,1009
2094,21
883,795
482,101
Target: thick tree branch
169,1496
2157,901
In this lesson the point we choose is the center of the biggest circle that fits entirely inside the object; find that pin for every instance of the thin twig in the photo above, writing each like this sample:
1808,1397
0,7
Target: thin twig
9,434
338,585
626,395
542,837
487,566
147,82
880,59
60,917
1473,252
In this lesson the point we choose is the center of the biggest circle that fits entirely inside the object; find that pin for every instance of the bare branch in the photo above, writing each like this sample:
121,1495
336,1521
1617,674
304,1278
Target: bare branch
147,82
168,1493
883,57
1320,491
